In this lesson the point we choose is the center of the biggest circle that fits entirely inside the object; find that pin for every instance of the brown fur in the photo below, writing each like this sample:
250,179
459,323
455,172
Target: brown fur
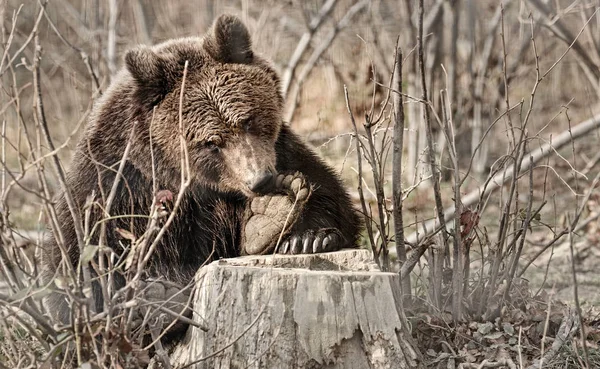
232,119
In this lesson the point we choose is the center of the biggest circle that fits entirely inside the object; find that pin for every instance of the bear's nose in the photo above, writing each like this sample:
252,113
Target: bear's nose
261,181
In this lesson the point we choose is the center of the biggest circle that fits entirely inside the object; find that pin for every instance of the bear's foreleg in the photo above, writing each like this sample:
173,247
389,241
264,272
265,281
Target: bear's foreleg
328,221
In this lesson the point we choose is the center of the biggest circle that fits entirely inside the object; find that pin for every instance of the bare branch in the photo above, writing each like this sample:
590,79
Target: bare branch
580,130
435,176
363,203
397,168
561,31
316,55
303,44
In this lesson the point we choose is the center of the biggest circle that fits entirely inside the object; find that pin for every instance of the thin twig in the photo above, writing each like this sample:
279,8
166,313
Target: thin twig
431,154
578,131
586,355
304,43
84,56
570,228
363,203
318,52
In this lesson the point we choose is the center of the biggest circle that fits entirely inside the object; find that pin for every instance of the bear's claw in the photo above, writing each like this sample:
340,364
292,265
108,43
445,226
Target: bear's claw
273,214
311,242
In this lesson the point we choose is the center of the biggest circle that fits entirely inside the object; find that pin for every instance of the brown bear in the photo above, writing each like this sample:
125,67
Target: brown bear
254,185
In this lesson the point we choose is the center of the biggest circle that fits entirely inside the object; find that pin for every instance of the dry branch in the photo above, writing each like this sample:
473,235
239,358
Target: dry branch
317,52
304,43
562,32
397,169
359,157
577,302
480,150
564,138
84,55
572,228
431,155
43,126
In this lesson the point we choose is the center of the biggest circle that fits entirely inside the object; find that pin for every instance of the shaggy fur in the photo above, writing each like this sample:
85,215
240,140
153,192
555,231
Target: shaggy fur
232,114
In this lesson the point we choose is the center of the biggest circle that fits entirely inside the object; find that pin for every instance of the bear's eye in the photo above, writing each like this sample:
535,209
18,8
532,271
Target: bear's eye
212,146
247,123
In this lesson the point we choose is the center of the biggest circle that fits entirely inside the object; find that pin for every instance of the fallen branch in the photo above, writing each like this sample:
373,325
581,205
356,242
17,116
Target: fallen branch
489,364
580,130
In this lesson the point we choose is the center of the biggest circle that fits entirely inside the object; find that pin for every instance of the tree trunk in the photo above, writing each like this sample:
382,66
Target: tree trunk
334,310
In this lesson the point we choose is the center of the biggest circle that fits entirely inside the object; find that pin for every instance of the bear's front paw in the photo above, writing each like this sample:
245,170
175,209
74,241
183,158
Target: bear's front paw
312,242
270,217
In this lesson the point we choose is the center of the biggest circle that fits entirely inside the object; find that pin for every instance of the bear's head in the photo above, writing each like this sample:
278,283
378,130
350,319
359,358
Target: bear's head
231,110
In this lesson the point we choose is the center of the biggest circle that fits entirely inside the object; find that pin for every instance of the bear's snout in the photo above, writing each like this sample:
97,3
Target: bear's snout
261,182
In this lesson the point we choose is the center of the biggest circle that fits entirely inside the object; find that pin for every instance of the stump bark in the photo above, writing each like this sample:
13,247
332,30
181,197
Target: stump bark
333,310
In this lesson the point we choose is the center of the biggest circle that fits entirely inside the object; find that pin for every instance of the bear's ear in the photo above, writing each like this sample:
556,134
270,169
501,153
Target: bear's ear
148,69
144,64
229,41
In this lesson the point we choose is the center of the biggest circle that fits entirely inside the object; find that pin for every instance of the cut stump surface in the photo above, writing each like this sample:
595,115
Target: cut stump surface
333,310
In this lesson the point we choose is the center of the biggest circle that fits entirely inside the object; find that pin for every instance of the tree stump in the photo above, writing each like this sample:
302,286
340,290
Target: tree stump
333,310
